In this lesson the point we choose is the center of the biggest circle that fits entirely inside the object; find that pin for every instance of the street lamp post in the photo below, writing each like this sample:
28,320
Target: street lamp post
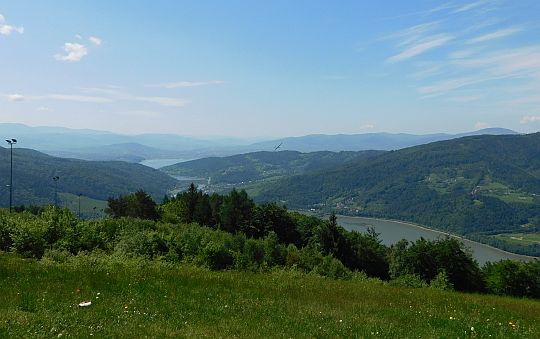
56,178
11,142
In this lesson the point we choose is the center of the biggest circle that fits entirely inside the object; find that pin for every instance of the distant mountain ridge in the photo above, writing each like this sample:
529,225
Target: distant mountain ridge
367,141
33,172
100,145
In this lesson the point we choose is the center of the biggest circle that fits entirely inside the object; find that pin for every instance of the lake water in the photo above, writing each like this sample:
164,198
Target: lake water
393,231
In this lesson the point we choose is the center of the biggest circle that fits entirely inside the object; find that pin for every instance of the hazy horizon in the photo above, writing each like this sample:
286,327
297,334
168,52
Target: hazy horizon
240,69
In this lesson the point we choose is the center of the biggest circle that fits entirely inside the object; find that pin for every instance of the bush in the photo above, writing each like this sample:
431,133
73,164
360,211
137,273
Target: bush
332,268
216,256
441,282
29,238
409,280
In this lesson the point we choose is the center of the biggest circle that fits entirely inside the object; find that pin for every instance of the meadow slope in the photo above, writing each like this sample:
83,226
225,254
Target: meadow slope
133,298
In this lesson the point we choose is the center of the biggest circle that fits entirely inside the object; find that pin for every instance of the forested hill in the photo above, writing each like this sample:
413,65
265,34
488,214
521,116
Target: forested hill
261,165
33,172
477,184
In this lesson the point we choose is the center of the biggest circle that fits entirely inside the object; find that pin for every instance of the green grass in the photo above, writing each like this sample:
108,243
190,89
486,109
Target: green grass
505,193
137,299
520,238
71,201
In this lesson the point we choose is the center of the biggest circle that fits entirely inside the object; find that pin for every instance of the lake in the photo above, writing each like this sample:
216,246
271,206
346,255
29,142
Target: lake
393,231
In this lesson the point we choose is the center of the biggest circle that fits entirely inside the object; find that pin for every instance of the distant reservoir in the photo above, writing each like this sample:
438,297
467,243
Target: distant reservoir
393,231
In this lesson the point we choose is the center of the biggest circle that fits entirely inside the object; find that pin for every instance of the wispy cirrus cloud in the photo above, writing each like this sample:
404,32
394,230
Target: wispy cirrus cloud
164,101
57,97
530,119
465,98
78,98
6,29
478,57
15,97
470,6
187,84
421,47
159,100
501,33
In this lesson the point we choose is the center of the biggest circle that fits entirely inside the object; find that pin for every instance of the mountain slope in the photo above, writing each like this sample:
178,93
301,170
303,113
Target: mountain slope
472,185
262,165
33,172
367,141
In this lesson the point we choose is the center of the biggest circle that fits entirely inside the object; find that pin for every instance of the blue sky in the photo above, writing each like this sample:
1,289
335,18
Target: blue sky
271,68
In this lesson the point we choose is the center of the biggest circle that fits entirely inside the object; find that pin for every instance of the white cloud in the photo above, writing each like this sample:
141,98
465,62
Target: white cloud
75,52
95,40
141,114
421,47
465,98
452,84
164,101
58,97
15,97
186,84
502,33
77,98
530,118
412,34
523,62
44,109
462,54
481,125
470,6
6,29
366,127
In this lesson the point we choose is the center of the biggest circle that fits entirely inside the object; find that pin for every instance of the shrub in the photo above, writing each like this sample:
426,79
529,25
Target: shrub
409,280
441,282
332,268
29,238
216,256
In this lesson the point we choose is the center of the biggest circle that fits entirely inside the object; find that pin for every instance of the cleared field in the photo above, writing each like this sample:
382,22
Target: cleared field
90,208
135,299
520,238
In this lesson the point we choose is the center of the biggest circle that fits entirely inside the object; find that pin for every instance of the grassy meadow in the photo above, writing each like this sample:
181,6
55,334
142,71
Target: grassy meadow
138,298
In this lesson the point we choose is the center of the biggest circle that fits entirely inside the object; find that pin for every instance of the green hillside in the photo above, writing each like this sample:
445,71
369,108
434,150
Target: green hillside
477,186
134,298
248,167
33,173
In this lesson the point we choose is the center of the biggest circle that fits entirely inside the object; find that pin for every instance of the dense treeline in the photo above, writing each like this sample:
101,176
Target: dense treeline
232,232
